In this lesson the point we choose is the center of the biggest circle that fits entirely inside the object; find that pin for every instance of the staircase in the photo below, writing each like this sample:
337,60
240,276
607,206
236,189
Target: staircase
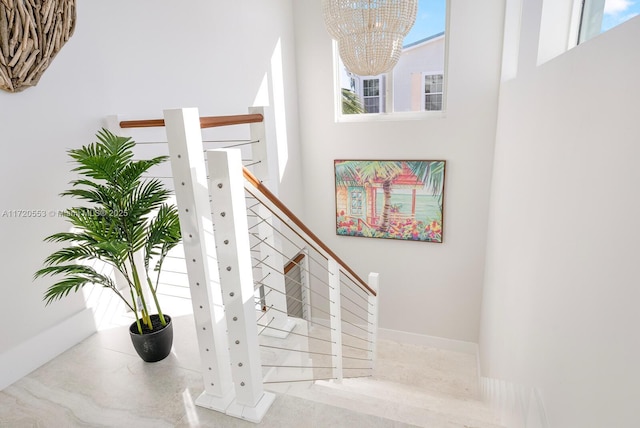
411,385
277,312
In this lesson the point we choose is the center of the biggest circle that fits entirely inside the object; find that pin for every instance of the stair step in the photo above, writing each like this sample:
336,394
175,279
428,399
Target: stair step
399,402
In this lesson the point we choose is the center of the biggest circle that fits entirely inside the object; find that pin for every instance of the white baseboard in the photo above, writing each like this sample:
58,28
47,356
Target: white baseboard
430,341
21,360
517,406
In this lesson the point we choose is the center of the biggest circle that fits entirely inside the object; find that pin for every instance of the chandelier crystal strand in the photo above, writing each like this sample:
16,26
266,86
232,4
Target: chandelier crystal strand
369,32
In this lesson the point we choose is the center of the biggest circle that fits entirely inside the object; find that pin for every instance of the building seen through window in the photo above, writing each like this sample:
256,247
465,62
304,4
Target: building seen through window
416,84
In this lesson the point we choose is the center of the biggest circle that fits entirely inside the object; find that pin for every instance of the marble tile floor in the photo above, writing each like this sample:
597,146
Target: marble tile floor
101,382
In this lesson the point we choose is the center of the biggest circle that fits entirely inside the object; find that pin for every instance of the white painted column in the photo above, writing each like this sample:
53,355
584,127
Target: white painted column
372,325
336,319
229,210
192,196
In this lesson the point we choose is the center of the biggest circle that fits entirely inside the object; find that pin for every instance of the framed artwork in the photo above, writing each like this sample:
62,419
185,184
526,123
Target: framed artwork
392,199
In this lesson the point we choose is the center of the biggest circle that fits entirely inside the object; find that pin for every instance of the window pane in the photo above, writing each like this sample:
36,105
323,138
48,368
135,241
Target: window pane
433,85
371,88
599,16
372,105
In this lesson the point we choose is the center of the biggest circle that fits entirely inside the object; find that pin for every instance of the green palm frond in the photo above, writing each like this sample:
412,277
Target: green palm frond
382,170
144,199
94,224
429,173
351,102
104,159
70,237
357,172
133,172
347,173
164,234
74,277
127,212
93,192
77,253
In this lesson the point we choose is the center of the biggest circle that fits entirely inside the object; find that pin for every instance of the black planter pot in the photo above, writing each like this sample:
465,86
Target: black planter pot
154,345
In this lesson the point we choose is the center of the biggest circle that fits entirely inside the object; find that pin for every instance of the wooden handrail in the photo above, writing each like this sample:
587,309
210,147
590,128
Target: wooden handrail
293,263
205,121
291,216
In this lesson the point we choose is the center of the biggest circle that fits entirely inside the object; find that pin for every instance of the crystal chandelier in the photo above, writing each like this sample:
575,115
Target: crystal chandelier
369,32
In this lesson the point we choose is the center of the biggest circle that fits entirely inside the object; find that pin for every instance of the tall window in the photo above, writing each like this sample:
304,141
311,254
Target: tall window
599,16
404,89
433,87
371,95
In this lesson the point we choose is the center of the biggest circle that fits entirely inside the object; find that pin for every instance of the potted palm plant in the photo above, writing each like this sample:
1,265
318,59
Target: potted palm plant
127,223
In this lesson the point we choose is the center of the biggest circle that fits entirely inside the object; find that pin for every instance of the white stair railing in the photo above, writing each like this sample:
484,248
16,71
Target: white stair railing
234,227
342,309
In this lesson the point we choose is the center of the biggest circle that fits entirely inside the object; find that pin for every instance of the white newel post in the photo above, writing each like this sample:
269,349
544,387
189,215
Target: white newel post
228,206
374,284
336,319
189,175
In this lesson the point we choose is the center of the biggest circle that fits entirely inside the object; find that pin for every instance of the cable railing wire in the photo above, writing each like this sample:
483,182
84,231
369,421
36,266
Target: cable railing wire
272,308
307,287
357,358
297,334
322,265
299,248
275,229
356,304
351,288
357,337
293,298
297,350
242,142
355,315
300,380
282,273
355,347
355,325
348,286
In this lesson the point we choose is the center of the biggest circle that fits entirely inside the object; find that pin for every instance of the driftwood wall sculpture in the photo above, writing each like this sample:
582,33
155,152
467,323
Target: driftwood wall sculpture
32,32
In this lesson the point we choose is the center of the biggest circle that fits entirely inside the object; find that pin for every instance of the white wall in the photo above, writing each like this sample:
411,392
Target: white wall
133,58
430,289
560,312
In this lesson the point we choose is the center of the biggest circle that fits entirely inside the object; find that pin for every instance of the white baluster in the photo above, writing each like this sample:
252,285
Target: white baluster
306,283
372,325
335,311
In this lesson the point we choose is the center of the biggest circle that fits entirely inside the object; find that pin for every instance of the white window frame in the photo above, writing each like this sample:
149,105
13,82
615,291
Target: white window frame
577,30
389,114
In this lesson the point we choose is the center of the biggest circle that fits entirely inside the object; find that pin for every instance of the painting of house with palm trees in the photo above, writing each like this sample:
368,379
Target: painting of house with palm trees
394,199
